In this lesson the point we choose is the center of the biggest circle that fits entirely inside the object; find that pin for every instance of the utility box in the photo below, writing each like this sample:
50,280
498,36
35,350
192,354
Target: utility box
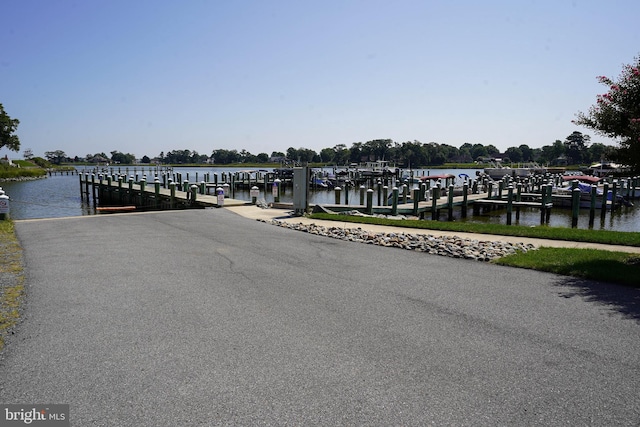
301,190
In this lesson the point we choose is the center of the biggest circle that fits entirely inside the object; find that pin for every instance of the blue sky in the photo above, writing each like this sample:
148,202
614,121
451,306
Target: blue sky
151,76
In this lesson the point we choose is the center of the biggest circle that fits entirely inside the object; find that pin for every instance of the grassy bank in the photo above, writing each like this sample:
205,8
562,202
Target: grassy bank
614,267
11,172
11,279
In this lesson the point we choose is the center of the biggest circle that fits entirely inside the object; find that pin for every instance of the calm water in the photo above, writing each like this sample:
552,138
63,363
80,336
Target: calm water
59,196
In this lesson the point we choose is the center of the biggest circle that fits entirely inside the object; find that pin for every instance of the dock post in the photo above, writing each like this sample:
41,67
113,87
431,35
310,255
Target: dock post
518,199
156,182
362,194
575,207
465,198
509,203
394,201
337,191
143,184
605,195
434,202
614,192
172,197
185,185
254,192
93,188
219,197
424,187
450,202
194,192
405,191
203,187
109,188
276,190
81,194
416,200
120,195
346,192
592,204
86,178
543,203
379,188
549,201
370,201
385,195
131,189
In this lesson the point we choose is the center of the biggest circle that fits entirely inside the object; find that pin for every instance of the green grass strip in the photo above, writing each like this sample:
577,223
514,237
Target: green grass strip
540,232
612,267
11,295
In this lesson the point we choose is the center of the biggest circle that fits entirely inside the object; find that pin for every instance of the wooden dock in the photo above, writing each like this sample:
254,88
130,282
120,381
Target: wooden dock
127,190
108,192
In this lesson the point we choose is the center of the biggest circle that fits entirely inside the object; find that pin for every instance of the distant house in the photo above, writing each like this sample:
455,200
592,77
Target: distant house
277,159
560,161
7,161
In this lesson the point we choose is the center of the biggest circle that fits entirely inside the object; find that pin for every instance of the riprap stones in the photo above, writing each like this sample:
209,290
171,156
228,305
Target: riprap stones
451,246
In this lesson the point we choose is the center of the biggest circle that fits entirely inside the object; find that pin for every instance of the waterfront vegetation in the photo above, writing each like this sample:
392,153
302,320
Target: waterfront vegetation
615,267
12,172
12,279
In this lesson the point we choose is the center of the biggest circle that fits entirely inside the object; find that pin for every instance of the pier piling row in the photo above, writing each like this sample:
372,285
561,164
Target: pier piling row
480,195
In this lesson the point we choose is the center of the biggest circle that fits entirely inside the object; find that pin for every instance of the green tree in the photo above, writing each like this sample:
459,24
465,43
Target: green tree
225,157
616,113
479,150
342,154
355,152
376,149
123,159
527,153
327,155
7,128
56,157
514,154
492,150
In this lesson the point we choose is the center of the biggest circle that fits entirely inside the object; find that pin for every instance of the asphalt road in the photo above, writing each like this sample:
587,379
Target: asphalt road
203,317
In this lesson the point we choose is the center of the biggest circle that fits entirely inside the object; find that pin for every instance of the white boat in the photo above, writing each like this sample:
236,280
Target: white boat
377,168
606,168
585,195
497,170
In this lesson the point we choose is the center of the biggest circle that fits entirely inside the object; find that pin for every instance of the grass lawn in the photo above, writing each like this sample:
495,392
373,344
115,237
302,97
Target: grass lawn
11,293
614,267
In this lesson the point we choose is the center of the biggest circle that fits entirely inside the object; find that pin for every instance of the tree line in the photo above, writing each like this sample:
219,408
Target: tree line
576,149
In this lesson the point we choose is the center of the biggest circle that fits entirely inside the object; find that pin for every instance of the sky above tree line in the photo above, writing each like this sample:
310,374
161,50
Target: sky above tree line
146,77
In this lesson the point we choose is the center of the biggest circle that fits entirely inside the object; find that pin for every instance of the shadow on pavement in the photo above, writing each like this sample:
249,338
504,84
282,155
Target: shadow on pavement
623,299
